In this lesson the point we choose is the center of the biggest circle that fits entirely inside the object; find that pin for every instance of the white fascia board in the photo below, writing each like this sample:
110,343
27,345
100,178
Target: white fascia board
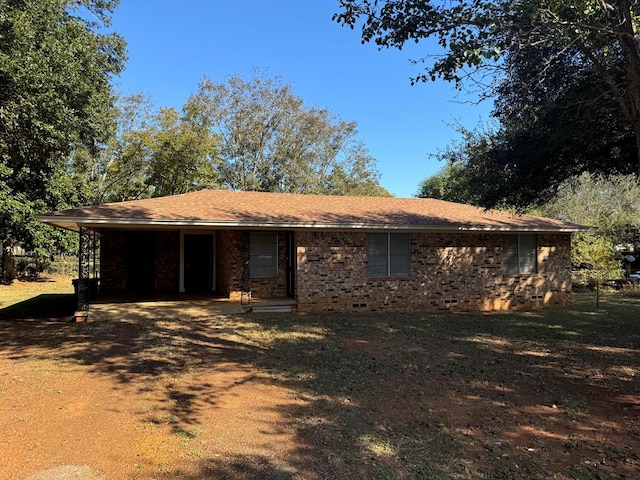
71,222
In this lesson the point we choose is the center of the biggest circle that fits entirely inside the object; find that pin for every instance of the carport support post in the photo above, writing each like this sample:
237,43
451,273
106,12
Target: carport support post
84,254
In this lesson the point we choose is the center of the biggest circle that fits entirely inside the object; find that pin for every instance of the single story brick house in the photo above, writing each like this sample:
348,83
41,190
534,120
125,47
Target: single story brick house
328,253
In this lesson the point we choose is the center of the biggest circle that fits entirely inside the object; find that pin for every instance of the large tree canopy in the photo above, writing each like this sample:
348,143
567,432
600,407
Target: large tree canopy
270,141
151,154
566,74
243,134
543,137
55,95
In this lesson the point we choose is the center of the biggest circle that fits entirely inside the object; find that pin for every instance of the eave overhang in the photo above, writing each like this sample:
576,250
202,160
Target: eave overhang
74,223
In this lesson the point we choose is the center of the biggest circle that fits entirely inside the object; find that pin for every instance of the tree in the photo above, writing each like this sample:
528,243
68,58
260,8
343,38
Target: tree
55,96
271,142
608,203
560,128
544,138
479,37
151,154
183,155
478,171
115,171
449,184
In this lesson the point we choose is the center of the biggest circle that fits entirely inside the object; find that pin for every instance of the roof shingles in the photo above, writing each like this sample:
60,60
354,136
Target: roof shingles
253,209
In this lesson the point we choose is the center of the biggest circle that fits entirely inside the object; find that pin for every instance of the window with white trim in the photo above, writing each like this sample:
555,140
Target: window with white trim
520,254
388,255
263,255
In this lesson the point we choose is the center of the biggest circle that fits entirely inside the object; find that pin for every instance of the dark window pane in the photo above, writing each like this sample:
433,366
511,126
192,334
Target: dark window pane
510,254
263,255
377,257
528,254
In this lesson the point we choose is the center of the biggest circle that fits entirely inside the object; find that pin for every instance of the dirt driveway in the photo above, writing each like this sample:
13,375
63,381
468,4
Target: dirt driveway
549,395
150,401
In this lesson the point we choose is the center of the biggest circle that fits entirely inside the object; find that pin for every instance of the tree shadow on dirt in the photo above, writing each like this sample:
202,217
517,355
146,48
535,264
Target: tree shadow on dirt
528,395
141,356
241,467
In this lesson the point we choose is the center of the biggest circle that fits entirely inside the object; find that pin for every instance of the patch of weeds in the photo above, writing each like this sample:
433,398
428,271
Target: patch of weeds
344,459
588,472
612,453
377,446
296,426
430,472
573,442
557,476
509,472
194,453
186,434
324,403
574,405
154,420
495,447
387,472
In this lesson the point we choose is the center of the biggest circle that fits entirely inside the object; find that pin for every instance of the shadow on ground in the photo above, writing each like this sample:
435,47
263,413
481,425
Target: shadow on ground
549,394
57,306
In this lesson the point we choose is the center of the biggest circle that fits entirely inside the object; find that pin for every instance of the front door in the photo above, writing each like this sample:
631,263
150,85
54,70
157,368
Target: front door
198,263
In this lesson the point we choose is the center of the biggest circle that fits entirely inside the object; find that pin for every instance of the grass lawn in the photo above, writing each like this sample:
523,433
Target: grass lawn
540,395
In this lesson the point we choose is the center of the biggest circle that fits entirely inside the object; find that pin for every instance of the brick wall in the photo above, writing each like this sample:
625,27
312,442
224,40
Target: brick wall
167,261
113,260
229,263
229,268
461,272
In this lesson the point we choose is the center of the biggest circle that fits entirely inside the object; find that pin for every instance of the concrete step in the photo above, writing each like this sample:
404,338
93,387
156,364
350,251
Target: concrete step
271,308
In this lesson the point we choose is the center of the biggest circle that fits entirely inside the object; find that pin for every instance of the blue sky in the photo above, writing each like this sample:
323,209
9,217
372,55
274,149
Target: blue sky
172,45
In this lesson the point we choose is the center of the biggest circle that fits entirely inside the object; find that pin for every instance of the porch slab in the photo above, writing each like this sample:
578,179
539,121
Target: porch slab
192,307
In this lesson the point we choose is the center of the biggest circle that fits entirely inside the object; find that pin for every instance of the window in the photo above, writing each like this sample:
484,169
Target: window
520,254
263,253
388,254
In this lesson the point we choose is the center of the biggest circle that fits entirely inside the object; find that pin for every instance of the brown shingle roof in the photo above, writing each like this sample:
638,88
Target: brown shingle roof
225,208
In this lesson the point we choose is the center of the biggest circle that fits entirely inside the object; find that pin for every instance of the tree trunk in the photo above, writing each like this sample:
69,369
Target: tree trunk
8,264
